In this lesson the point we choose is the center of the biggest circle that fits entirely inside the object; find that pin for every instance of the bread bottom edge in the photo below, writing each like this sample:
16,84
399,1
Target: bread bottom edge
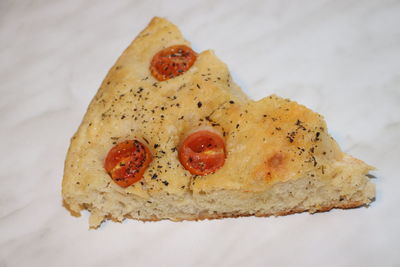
348,205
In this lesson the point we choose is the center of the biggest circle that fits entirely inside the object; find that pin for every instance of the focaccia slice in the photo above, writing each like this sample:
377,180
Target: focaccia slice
279,157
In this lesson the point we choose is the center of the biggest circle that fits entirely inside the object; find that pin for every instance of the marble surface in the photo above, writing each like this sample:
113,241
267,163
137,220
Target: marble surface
340,58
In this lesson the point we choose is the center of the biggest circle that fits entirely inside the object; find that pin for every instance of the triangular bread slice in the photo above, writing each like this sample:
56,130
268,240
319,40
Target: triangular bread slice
280,158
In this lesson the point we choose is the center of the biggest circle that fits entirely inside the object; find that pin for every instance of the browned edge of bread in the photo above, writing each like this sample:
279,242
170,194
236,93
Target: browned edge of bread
338,205
349,205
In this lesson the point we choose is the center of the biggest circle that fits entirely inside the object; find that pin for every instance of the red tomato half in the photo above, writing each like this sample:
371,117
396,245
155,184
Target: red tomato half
202,152
172,61
127,161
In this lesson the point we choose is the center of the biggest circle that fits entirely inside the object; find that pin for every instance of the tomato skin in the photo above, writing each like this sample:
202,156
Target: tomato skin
172,61
127,161
202,152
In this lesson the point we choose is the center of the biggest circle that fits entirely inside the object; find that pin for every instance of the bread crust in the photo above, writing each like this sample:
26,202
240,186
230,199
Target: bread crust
338,205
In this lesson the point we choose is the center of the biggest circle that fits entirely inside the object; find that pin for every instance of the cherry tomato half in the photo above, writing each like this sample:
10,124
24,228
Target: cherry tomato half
127,161
172,61
202,152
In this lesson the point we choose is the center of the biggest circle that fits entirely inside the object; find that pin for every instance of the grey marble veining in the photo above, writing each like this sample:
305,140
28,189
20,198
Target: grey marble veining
340,58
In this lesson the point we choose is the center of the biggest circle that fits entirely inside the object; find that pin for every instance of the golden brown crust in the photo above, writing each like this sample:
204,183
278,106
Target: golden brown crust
348,205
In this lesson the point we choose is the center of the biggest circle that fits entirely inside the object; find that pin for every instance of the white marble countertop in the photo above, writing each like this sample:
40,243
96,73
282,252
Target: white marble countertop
340,58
